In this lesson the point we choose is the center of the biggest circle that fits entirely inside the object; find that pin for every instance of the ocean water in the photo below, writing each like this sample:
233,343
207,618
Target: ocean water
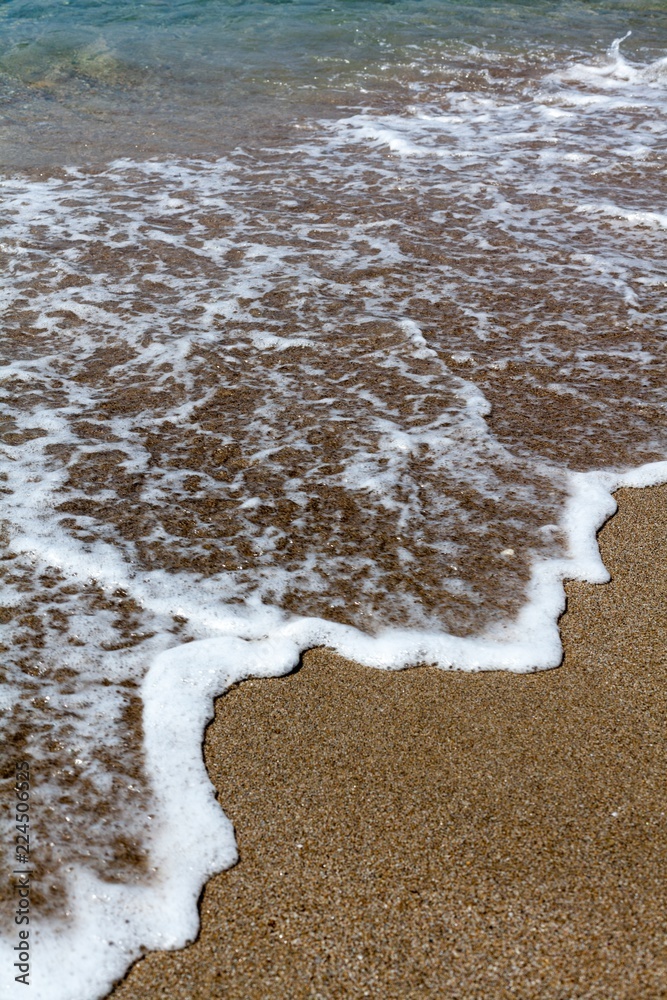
323,324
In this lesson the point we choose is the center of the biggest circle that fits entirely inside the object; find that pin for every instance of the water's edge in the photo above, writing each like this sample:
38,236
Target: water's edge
195,839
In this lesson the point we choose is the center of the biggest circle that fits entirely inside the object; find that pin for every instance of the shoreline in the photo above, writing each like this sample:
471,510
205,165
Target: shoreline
460,835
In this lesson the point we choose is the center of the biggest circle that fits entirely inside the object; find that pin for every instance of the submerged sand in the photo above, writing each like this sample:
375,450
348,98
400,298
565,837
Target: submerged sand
429,834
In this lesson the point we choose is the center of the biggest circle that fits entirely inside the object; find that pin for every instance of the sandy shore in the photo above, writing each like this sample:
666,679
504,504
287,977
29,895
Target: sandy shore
427,834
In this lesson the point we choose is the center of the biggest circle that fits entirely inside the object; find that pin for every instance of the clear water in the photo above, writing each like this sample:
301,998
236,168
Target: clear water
79,81
321,324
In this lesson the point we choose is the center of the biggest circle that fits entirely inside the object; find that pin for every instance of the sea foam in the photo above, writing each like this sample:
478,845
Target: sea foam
371,387
112,925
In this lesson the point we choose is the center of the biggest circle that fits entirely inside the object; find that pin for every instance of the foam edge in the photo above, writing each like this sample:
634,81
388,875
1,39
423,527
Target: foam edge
113,925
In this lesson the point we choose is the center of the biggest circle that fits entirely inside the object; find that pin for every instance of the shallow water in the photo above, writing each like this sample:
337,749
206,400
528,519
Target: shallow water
310,313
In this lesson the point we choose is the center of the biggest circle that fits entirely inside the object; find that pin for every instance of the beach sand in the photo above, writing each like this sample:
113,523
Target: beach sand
430,834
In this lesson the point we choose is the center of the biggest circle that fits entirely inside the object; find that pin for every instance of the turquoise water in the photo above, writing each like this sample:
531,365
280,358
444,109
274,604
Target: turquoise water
185,76
268,42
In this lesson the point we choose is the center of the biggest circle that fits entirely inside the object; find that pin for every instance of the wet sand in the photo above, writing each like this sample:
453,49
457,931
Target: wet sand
428,834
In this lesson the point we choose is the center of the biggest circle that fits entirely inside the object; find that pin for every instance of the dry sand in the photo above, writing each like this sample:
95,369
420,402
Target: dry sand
429,834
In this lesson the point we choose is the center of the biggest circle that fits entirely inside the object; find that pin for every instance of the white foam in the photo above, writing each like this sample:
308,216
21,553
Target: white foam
111,924
653,220
476,177
615,72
